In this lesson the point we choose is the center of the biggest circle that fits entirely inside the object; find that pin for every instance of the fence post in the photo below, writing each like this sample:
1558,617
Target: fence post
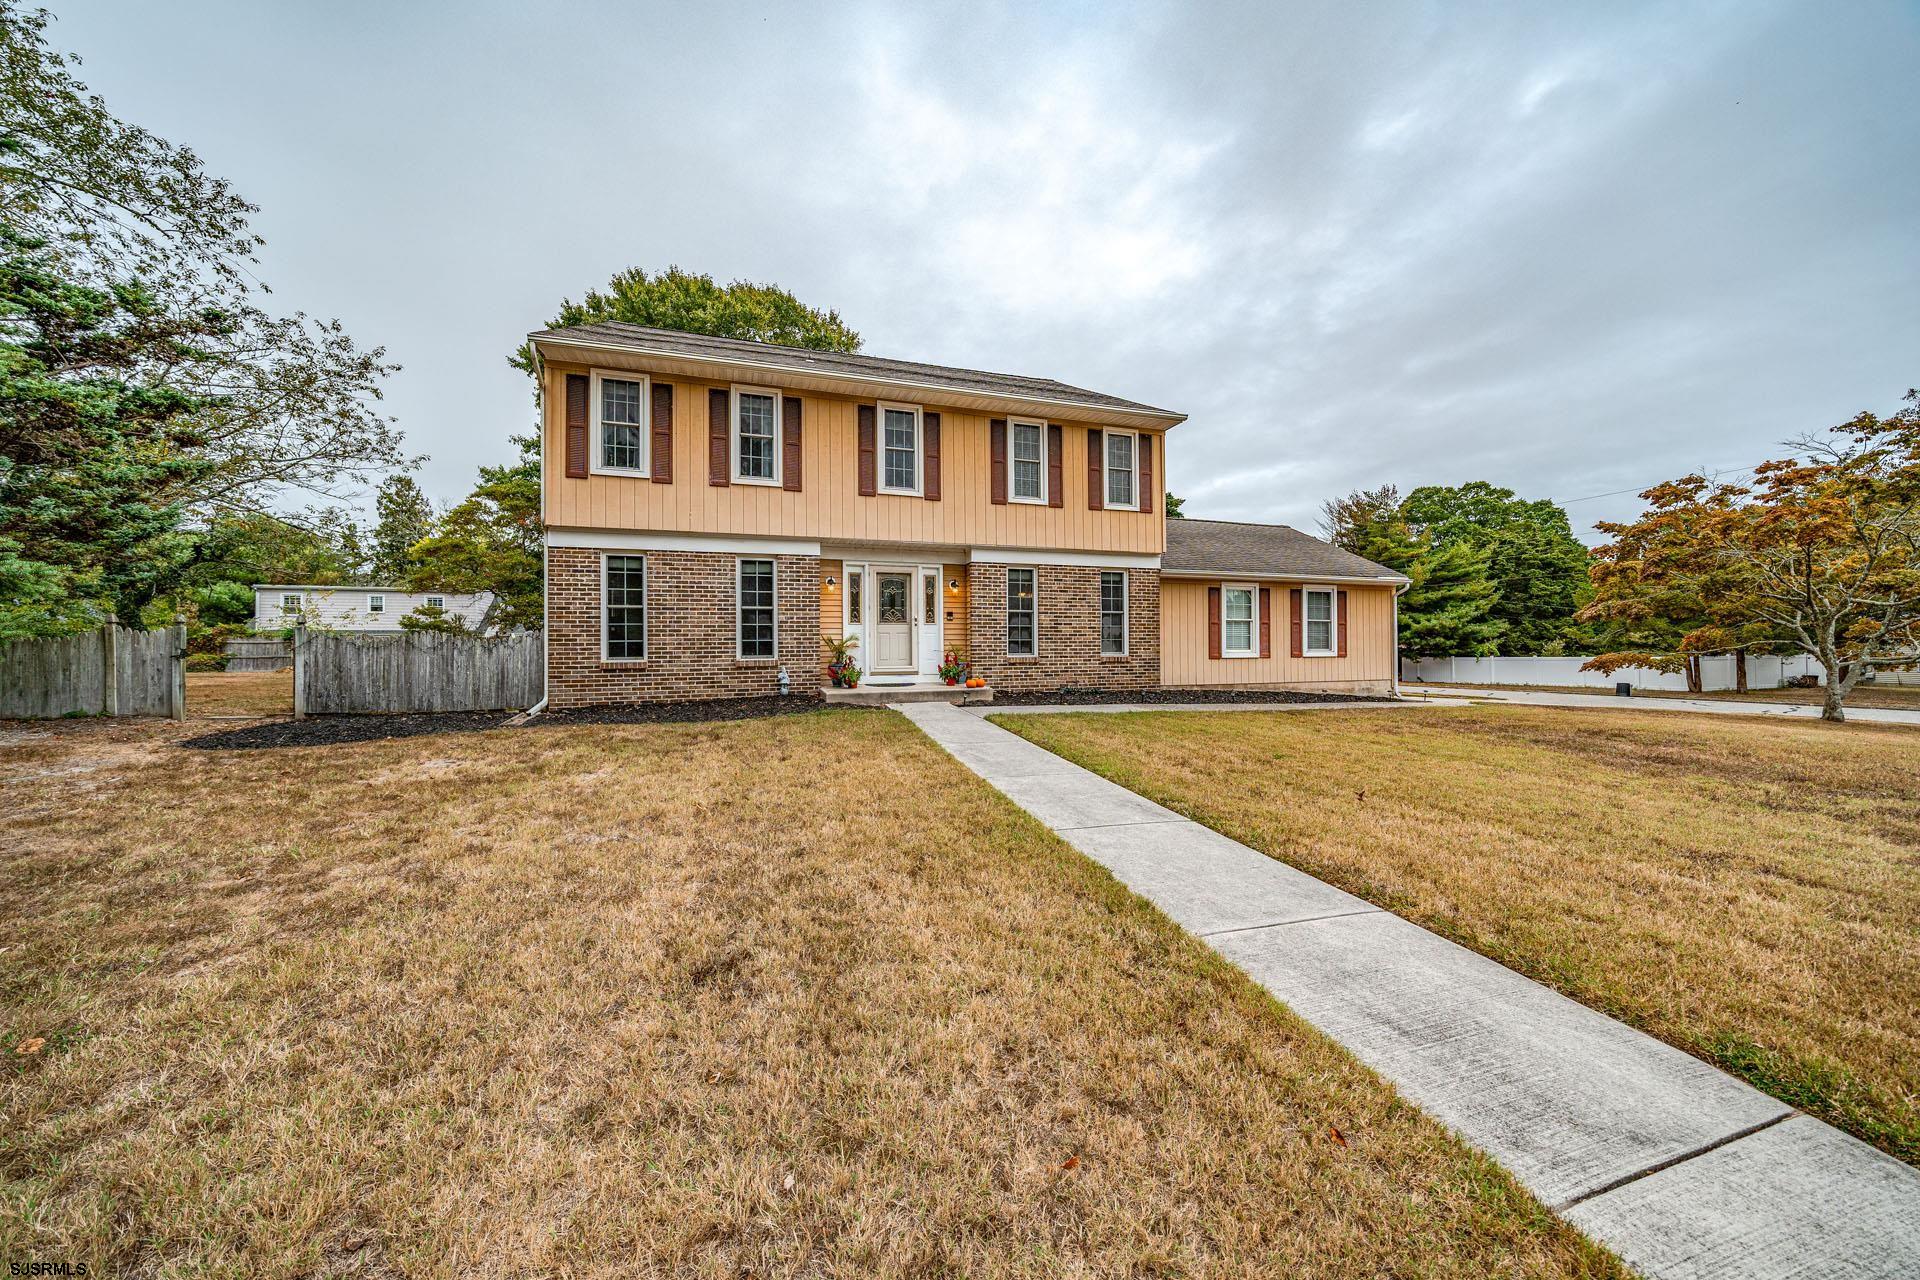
299,671
177,672
110,663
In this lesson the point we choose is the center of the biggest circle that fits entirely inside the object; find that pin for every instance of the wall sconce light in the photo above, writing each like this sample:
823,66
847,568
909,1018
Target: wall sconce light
953,584
831,582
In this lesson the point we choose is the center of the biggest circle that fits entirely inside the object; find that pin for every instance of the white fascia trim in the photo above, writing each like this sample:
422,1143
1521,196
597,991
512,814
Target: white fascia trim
1091,559
1235,575
1155,415
620,540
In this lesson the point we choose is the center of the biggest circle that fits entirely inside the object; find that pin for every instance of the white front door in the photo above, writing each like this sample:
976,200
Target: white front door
893,621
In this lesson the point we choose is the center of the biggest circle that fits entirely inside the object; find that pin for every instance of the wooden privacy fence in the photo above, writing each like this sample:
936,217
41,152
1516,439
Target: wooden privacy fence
259,653
338,673
110,671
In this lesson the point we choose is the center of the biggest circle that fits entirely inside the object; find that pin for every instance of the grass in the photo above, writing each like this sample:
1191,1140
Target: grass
1746,890
1893,697
786,997
240,693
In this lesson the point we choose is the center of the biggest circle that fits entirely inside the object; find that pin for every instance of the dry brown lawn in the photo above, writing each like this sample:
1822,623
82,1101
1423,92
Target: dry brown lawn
240,693
1746,889
657,1000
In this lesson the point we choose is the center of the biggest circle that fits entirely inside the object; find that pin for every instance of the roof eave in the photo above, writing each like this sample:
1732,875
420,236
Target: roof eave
641,358
1244,575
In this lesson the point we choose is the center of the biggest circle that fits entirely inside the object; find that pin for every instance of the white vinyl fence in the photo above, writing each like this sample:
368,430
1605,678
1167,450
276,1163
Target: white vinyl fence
342,673
1716,673
110,671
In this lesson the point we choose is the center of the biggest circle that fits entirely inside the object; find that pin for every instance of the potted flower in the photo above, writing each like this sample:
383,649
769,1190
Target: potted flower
840,659
953,668
850,675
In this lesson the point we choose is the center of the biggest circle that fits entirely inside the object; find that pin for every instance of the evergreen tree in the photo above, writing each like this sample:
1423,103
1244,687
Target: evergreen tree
490,541
403,516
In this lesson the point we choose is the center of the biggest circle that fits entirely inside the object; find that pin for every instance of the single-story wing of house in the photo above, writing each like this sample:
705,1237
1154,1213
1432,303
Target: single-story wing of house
367,609
717,511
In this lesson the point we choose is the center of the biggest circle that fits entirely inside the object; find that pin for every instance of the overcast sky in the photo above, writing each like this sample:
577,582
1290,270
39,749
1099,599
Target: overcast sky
1570,249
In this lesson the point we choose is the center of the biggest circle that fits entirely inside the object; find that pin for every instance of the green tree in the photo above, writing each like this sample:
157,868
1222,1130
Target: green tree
1447,609
403,516
490,541
676,299
1537,567
433,617
1173,507
147,393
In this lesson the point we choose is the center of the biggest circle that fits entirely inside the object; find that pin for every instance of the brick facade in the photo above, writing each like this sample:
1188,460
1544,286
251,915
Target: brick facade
691,633
1068,615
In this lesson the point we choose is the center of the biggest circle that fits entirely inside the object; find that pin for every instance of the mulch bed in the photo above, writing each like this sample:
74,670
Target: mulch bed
1099,697
326,731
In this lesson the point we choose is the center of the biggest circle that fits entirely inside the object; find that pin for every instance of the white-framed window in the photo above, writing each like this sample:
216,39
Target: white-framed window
899,447
290,602
436,602
756,435
1113,613
1027,451
376,604
1317,631
1239,632
623,608
620,406
1023,614
754,614
1122,449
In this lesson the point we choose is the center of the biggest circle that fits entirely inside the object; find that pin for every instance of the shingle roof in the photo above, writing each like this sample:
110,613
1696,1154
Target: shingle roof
700,346
1265,550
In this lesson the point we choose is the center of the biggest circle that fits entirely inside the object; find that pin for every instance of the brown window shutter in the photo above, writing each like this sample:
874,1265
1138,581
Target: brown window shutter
869,476
719,455
1096,475
1293,605
930,464
1213,622
1341,613
1056,466
997,458
790,443
662,459
576,426
1266,623
1145,464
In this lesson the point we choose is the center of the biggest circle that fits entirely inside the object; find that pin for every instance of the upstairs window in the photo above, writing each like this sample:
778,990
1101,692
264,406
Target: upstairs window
755,622
1022,617
899,448
756,435
1120,452
1318,603
1029,461
620,423
1236,622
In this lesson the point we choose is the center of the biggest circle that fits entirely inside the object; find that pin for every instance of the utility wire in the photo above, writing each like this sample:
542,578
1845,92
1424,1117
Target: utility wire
1641,488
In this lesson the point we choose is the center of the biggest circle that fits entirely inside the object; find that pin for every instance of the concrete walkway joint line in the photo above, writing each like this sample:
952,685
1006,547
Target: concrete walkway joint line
1681,1169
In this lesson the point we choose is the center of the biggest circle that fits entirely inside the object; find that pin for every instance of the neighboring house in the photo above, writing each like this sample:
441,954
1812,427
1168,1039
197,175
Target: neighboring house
280,605
714,507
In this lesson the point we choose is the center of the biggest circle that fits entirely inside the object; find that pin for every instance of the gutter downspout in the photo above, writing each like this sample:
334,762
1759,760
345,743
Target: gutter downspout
1398,591
546,556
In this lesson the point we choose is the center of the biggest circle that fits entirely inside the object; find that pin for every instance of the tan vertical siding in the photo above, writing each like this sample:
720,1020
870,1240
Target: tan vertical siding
1183,641
830,507
955,605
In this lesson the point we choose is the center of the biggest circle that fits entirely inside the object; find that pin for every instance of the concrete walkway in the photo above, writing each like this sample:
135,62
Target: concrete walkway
1681,1169
1453,693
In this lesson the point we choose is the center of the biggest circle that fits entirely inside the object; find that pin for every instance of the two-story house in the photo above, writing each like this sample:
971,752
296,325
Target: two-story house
714,508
